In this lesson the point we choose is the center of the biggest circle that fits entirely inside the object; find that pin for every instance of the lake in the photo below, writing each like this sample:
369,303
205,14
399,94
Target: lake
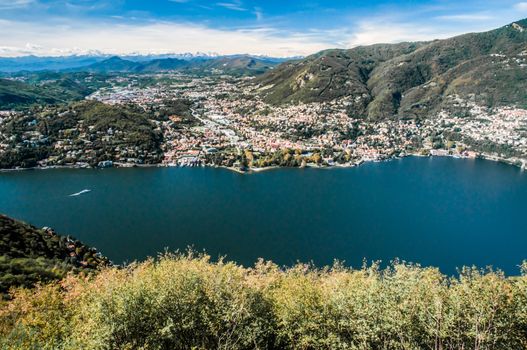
441,212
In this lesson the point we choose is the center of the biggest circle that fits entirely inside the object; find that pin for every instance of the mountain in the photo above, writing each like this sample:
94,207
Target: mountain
159,65
237,65
234,65
75,62
118,65
409,79
29,255
113,64
34,63
329,74
198,63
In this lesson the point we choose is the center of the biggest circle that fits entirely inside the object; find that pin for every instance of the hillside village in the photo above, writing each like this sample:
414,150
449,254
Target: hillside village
225,122
235,127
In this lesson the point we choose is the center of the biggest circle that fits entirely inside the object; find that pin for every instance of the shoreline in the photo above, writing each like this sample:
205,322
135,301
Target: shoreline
493,158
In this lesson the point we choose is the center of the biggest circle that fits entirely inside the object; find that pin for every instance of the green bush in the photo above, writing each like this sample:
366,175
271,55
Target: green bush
188,302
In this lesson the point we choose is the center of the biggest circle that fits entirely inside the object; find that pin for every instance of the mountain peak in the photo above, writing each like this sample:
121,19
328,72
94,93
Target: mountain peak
114,59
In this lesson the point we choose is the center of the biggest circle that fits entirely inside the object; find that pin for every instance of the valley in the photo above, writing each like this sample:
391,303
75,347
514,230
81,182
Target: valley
460,97
177,119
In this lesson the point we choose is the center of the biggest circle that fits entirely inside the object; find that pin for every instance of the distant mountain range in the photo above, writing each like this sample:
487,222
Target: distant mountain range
68,84
407,79
410,79
131,63
236,65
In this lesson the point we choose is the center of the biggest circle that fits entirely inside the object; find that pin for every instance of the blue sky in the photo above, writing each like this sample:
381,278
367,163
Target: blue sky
267,27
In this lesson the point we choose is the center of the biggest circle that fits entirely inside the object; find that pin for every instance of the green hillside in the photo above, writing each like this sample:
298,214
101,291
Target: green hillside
29,255
15,94
45,89
409,79
100,132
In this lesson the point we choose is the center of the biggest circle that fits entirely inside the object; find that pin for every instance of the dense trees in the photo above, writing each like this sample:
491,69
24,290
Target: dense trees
90,131
187,302
178,107
29,255
283,158
24,157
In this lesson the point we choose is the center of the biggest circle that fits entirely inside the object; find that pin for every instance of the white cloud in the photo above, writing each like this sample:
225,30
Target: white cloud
167,37
391,29
521,6
14,4
469,17
233,5
258,13
385,32
124,35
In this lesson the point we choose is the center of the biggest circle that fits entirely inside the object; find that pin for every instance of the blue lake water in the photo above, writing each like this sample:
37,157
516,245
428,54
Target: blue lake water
434,211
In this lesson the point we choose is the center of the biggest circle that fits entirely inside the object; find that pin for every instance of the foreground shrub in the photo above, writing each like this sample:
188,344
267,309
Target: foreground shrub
187,302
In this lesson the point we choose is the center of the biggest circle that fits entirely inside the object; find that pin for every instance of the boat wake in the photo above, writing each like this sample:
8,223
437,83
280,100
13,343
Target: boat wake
79,193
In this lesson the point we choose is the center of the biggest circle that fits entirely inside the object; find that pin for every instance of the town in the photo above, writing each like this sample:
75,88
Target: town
222,121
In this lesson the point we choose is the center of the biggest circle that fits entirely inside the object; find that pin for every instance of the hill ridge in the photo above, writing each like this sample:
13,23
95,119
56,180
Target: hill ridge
385,80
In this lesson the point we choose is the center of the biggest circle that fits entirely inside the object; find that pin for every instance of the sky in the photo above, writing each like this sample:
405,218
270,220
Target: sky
279,28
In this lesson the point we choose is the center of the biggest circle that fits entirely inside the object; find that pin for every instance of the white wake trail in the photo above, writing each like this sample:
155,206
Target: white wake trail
79,193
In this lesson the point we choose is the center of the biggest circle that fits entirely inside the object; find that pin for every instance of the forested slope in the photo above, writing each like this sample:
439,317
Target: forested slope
410,79
29,255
